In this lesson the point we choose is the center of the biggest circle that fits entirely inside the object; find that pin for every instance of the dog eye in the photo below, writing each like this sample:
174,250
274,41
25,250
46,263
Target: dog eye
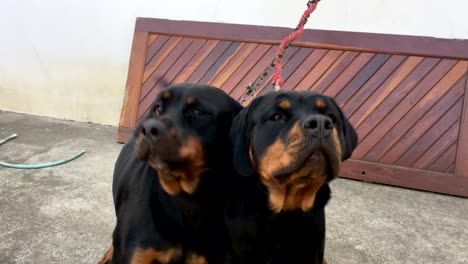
277,117
193,112
332,117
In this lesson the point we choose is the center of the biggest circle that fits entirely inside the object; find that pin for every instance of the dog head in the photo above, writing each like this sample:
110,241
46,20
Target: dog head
295,142
185,133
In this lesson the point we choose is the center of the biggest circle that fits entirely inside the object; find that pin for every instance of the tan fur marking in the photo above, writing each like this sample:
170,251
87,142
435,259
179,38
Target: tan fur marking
169,184
276,194
192,150
172,133
166,95
148,256
187,177
274,159
285,104
251,156
299,191
321,104
191,100
194,258
108,256
336,140
295,136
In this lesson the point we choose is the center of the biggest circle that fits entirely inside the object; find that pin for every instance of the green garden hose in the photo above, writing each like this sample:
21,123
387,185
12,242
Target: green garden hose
36,166
8,138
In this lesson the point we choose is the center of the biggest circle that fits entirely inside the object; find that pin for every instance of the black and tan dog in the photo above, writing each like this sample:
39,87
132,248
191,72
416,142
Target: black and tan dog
170,179
287,147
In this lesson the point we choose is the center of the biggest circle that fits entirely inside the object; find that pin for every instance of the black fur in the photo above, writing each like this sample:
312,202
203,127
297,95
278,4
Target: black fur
150,218
258,234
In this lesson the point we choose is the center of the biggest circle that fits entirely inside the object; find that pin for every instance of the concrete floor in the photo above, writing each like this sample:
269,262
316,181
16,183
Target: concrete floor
64,214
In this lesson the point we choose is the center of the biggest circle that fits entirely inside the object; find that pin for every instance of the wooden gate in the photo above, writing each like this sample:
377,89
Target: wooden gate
407,96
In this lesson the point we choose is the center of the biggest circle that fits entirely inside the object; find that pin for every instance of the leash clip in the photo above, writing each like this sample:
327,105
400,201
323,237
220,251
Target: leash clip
251,91
277,85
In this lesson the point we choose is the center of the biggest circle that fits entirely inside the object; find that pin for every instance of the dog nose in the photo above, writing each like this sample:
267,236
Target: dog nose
318,125
153,128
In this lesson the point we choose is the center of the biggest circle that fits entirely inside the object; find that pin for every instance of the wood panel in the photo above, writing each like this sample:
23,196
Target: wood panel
406,96
129,117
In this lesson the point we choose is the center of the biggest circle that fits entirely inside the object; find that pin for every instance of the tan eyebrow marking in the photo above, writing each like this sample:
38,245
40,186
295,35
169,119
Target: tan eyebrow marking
285,104
191,100
166,95
321,104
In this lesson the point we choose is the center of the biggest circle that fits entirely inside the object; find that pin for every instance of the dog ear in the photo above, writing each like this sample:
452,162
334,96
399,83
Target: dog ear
351,138
240,143
240,140
350,134
235,106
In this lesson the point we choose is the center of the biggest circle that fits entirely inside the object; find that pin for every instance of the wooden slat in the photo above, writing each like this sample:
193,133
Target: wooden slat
160,56
414,112
247,65
439,146
195,62
178,66
445,160
152,38
371,148
153,75
373,84
404,78
128,116
334,71
348,74
209,61
361,78
254,73
168,71
230,67
183,52
156,47
222,61
371,42
461,165
405,177
394,106
450,169
291,56
445,127
294,63
183,60
310,71
405,137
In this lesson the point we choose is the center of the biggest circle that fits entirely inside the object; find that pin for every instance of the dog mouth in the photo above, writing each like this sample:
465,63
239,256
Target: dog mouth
165,165
171,155
304,167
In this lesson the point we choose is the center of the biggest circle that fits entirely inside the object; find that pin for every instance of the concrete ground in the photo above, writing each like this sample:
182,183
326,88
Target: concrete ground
64,214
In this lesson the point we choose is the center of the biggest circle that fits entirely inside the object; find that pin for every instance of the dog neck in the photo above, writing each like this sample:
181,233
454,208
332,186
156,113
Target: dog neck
322,196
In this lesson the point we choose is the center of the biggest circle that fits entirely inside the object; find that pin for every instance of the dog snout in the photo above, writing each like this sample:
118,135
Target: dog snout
152,129
318,125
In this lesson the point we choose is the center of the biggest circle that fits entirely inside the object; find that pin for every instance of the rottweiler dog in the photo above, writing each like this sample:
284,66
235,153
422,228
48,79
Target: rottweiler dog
287,146
170,180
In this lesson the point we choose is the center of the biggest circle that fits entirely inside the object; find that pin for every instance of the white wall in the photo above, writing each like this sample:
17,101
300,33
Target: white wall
69,58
